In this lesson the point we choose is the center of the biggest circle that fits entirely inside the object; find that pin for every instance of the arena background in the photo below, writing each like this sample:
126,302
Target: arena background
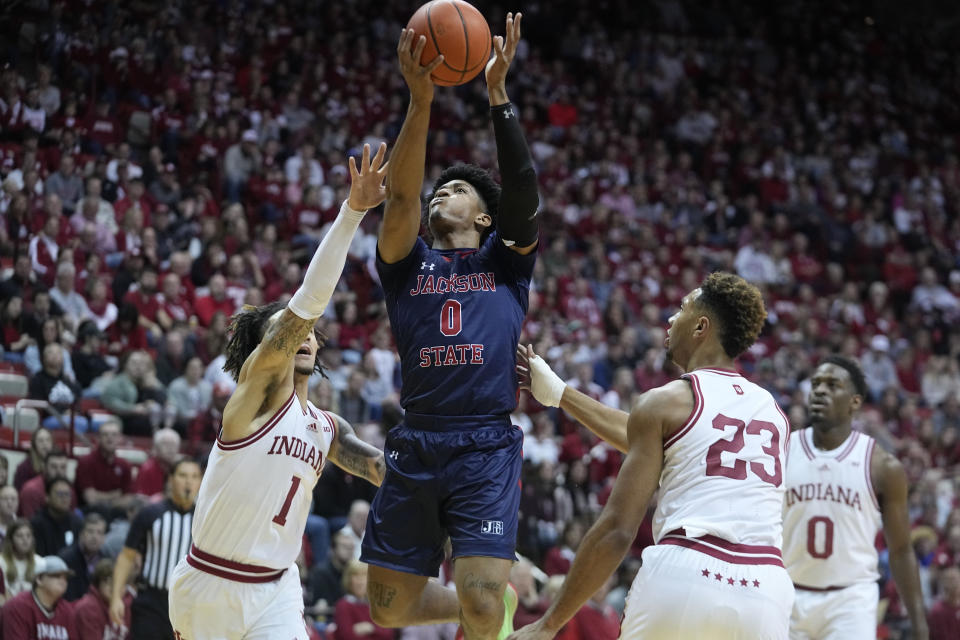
809,146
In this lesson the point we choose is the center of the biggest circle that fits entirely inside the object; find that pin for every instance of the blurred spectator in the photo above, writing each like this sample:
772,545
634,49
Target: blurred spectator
42,612
52,385
18,558
41,442
560,557
89,362
50,334
14,326
945,612
216,300
188,397
941,379
530,606
33,495
541,445
352,612
103,477
64,293
92,611
135,395
172,356
120,526
356,523
84,554
152,477
56,525
351,402
596,620
65,184
878,367
9,505
326,579
240,161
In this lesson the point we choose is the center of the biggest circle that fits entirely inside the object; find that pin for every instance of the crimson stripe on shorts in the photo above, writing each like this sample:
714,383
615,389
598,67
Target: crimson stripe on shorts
744,558
234,577
230,564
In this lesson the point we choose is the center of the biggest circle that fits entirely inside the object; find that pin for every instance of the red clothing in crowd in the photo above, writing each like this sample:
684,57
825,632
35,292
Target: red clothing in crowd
33,496
205,308
944,620
146,304
96,471
558,560
592,622
151,478
24,618
92,617
351,611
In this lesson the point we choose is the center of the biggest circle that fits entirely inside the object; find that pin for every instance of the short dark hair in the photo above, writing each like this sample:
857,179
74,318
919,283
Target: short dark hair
93,518
247,327
852,367
55,481
54,453
738,308
182,461
481,180
102,572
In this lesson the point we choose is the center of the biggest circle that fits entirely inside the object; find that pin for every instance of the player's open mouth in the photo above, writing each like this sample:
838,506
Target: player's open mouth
303,351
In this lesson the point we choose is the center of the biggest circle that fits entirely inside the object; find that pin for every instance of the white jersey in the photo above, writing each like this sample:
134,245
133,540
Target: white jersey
256,493
723,470
830,513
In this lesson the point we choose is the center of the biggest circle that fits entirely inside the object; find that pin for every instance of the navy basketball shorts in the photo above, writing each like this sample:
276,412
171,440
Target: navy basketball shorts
446,476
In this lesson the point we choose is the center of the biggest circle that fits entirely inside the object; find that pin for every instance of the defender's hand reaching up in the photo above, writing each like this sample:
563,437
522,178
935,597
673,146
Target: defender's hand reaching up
367,186
415,74
503,52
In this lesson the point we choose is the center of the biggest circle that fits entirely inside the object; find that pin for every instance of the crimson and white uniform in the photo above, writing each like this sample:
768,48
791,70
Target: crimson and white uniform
240,579
831,518
716,570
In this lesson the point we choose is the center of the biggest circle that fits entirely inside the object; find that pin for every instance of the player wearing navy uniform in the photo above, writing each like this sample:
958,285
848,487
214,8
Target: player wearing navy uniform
456,309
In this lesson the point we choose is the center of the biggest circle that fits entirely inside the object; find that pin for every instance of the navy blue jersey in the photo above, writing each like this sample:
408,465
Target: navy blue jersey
456,316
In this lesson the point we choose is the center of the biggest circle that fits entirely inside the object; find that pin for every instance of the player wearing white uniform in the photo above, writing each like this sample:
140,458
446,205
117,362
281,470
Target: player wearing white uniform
716,445
239,580
841,489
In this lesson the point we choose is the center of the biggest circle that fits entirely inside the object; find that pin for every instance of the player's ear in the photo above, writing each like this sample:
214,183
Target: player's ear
483,220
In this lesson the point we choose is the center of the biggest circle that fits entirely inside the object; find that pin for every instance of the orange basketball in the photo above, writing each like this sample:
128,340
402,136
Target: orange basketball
457,30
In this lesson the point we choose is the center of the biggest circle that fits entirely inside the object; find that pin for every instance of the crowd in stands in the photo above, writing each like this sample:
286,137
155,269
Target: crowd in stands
164,163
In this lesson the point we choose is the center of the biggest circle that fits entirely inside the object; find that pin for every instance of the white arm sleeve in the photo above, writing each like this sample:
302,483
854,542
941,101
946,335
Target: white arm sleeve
325,268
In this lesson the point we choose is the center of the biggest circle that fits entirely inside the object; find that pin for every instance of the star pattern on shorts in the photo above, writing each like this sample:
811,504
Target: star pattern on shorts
743,582
756,583
730,581
706,573
718,577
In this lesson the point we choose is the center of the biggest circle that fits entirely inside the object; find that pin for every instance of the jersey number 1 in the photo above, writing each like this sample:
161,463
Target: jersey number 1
738,471
281,518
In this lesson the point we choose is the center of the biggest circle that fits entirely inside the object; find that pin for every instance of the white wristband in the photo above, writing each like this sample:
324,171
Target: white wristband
546,386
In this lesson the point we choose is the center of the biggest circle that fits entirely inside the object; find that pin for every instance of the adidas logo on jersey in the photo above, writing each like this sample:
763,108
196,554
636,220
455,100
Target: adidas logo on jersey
312,426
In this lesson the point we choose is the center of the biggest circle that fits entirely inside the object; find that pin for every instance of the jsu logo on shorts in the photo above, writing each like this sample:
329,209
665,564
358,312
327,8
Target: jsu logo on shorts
492,527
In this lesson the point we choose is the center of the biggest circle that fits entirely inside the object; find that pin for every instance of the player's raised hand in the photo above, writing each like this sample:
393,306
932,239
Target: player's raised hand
367,184
504,49
417,76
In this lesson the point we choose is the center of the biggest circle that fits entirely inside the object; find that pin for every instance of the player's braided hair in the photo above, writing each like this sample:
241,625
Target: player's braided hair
247,327
480,179
737,306
852,367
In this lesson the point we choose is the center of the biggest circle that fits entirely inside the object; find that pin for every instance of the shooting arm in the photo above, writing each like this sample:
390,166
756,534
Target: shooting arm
355,456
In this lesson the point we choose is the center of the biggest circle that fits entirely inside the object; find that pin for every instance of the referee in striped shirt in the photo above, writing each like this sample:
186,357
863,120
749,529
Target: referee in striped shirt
159,537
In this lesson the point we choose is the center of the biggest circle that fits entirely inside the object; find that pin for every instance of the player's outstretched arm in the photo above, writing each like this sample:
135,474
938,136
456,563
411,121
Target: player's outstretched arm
519,201
266,377
401,216
890,485
355,456
607,541
607,423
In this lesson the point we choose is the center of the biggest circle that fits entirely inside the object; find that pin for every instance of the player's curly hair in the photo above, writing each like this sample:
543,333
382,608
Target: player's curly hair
481,180
738,307
852,367
247,327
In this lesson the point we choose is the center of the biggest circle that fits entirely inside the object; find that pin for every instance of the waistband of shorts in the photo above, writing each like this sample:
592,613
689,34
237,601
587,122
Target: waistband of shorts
230,570
724,549
817,589
429,422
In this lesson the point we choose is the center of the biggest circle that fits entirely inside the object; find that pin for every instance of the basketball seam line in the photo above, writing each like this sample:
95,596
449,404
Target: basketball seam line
466,40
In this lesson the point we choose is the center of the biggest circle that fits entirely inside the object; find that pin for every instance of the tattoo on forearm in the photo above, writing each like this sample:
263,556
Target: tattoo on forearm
381,595
288,333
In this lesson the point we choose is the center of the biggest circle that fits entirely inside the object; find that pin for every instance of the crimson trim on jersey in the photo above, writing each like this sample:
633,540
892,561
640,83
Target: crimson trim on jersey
849,448
807,449
821,589
694,413
866,470
723,372
230,570
259,433
725,550
786,441
333,423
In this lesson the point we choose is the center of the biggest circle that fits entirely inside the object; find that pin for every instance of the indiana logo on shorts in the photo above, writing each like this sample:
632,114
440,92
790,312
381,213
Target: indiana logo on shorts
492,527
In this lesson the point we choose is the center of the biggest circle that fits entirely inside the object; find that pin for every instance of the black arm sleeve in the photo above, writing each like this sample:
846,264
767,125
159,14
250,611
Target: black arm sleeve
519,200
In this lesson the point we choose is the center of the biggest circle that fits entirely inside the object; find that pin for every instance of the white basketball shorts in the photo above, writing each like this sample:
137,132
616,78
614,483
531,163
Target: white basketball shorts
841,614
